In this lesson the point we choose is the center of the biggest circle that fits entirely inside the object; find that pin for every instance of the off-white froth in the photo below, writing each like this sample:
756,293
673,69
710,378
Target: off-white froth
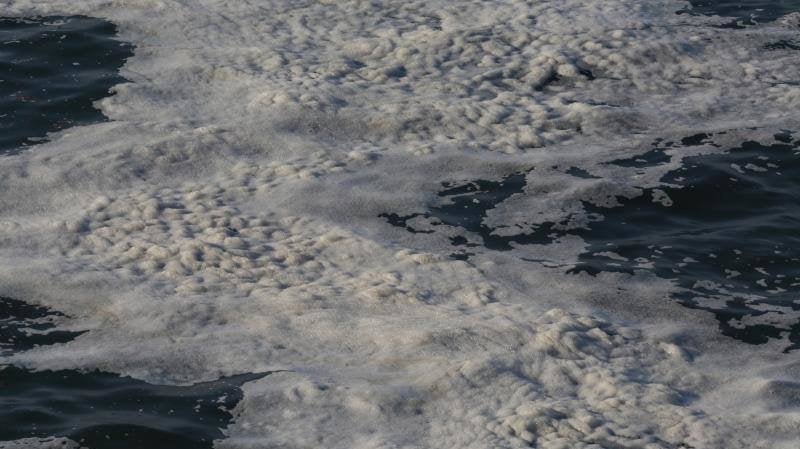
226,220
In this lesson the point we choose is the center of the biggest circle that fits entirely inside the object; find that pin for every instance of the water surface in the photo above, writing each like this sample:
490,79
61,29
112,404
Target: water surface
745,11
102,410
52,70
724,228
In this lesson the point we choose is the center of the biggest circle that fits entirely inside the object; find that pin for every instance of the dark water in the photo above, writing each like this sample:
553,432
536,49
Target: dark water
744,11
51,71
24,326
730,239
734,226
102,410
105,411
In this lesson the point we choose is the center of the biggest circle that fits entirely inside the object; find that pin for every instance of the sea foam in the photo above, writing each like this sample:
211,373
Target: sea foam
229,220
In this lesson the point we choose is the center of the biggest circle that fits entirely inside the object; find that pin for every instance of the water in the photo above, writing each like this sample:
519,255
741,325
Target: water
51,71
102,410
729,239
747,12
24,326
728,236
725,233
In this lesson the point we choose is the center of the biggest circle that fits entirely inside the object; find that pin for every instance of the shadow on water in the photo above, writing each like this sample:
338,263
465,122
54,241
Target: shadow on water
102,410
52,69
724,228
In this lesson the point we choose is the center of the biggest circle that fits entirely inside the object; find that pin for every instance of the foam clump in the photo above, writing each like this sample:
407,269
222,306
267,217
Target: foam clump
40,443
191,237
790,20
573,382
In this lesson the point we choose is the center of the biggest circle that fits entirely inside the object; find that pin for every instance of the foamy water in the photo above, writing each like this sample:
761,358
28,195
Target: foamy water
274,192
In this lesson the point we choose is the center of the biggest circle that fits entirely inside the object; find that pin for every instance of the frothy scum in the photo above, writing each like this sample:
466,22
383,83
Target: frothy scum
227,220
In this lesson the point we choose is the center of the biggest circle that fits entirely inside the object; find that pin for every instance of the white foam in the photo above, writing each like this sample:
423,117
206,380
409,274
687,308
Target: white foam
40,443
227,220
